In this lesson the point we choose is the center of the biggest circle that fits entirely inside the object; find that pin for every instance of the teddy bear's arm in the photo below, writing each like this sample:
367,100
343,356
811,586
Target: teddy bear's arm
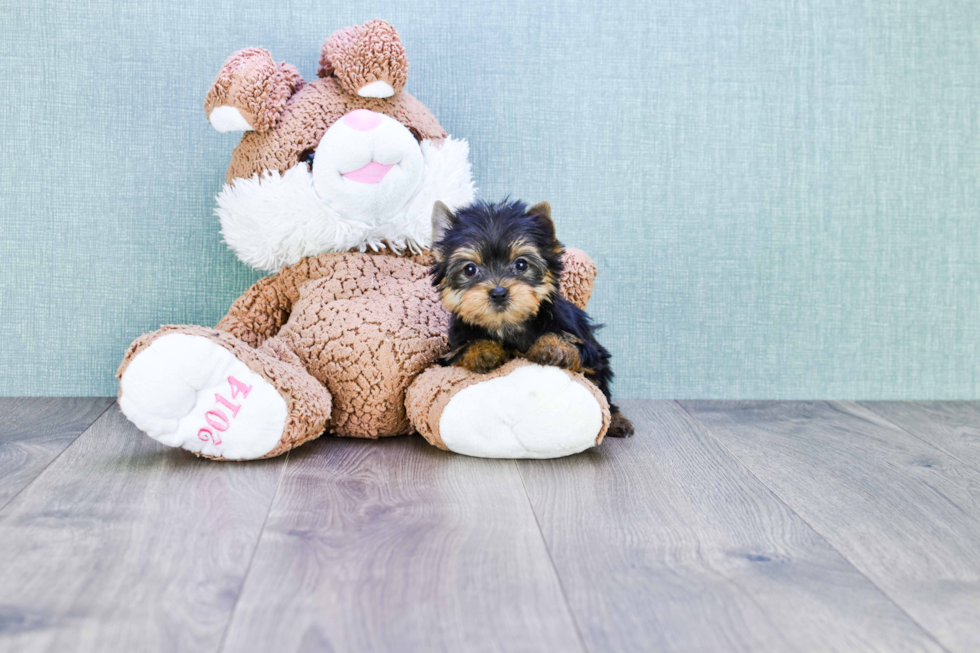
578,278
259,313
264,308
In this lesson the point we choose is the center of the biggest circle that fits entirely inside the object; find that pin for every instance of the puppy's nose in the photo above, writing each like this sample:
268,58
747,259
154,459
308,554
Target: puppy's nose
499,294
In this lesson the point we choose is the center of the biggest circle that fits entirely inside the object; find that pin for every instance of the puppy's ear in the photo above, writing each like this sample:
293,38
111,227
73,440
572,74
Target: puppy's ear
541,212
442,221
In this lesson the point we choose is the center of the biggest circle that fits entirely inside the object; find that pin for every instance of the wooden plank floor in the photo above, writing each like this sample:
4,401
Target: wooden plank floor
722,526
901,510
35,431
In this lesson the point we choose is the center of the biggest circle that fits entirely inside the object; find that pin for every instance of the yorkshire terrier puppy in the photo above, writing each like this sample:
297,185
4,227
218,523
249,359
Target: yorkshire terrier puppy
497,267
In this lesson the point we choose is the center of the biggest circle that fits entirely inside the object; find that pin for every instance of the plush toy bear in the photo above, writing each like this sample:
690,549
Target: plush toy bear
332,189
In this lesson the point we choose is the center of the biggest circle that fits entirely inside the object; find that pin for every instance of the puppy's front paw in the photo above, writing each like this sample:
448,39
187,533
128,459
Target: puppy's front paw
552,349
483,356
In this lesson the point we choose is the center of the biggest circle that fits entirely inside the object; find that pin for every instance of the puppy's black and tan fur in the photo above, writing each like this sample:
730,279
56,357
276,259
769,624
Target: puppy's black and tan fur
497,269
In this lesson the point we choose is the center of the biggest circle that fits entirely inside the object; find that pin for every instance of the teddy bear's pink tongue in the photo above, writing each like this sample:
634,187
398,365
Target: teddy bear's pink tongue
372,173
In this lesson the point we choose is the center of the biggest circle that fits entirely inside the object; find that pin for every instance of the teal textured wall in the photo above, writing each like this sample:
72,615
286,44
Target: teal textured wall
782,195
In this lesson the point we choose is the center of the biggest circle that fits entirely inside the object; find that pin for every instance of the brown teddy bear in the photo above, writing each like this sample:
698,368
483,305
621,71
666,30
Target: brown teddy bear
332,189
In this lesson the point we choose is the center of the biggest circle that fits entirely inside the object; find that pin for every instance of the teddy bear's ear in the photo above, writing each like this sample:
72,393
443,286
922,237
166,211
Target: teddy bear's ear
250,91
367,60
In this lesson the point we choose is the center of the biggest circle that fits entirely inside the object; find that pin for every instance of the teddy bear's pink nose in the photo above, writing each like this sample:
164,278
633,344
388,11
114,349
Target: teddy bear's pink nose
362,120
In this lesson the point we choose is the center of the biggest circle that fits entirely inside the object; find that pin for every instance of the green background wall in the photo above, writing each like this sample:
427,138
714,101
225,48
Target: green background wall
782,195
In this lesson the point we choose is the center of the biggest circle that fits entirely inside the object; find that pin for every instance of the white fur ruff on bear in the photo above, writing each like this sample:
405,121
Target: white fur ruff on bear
275,220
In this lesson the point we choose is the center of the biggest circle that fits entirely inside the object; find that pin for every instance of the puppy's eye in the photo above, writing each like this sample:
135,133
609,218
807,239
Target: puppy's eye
520,265
469,270
306,156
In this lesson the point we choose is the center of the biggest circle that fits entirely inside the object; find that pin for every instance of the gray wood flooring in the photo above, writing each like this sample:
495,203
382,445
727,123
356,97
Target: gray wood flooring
722,526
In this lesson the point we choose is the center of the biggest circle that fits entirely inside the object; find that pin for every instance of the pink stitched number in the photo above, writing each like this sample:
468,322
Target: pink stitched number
213,421
216,418
209,435
238,387
227,404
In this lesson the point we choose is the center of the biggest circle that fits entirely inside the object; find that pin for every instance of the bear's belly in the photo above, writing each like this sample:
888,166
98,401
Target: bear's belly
367,349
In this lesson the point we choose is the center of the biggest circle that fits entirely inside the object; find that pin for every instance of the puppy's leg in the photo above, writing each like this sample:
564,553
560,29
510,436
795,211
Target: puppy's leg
619,424
481,356
552,349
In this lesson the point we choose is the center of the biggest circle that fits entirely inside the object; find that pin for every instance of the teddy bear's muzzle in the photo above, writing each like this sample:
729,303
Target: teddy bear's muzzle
367,166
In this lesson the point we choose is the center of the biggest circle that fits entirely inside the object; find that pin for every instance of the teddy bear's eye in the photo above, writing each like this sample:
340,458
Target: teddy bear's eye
306,156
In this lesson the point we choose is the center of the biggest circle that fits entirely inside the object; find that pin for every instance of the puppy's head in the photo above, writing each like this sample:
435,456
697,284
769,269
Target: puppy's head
495,263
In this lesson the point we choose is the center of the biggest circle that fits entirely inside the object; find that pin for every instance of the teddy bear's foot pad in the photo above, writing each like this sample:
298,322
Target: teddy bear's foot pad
533,412
190,392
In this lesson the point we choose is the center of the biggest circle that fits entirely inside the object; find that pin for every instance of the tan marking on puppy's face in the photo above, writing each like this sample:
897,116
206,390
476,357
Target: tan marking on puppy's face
474,305
545,288
466,255
451,298
522,248
525,301
520,269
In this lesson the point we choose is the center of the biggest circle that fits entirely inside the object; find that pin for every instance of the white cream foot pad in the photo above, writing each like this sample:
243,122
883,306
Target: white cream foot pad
533,412
189,392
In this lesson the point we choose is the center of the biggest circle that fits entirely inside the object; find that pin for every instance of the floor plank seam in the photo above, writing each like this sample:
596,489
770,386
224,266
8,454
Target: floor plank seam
544,541
60,453
868,405
251,559
857,569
